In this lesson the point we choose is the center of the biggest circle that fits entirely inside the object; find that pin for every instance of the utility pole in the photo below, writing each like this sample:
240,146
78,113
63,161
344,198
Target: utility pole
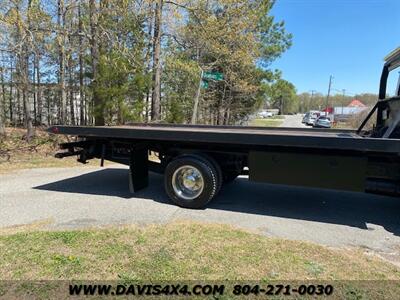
329,92
312,97
343,95
196,99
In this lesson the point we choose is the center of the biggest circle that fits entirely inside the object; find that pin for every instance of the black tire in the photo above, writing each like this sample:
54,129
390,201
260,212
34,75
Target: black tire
210,179
208,159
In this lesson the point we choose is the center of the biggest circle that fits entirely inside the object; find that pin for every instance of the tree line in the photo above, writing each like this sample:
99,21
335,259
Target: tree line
113,62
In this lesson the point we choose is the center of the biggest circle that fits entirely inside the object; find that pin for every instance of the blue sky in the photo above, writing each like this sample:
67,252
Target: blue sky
344,38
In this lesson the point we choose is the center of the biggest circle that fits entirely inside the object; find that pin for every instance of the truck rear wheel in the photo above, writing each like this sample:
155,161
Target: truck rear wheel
191,181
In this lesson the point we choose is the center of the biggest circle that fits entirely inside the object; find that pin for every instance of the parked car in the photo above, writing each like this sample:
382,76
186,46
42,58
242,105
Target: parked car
309,119
265,114
323,122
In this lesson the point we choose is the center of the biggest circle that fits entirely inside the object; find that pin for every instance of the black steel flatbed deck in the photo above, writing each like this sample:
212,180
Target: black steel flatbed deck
238,135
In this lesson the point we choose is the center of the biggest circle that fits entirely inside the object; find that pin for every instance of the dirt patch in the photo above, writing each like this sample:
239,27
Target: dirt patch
16,153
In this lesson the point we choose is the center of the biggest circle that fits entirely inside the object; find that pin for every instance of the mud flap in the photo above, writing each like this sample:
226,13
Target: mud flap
138,169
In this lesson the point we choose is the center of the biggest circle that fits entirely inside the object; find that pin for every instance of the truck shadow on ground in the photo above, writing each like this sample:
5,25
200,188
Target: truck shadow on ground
335,207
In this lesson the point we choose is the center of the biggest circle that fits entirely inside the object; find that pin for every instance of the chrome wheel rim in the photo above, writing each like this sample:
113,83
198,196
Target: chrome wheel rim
187,182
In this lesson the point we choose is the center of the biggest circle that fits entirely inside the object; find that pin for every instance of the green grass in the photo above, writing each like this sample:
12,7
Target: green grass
178,251
181,252
270,122
278,117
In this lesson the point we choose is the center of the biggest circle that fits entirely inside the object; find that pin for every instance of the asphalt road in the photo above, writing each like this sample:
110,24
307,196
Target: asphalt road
80,197
293,121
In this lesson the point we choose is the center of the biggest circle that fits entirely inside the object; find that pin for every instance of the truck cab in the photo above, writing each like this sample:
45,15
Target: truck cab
387,109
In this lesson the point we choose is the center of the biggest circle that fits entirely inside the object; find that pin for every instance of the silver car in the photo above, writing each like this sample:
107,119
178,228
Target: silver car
323,122
309,119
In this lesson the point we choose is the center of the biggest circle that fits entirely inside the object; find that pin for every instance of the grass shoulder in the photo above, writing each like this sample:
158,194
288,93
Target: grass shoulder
179,251
270,122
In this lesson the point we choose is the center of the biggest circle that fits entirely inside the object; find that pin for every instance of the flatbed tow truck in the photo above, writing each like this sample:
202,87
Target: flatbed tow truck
197,160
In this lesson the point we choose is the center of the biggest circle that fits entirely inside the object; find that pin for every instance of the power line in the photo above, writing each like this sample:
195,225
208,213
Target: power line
312,94
312,97
347,92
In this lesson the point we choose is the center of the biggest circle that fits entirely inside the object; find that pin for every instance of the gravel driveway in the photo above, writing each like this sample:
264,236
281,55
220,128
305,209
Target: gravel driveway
293,121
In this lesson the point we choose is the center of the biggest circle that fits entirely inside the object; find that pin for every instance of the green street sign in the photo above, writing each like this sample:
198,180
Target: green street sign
213,75
204,84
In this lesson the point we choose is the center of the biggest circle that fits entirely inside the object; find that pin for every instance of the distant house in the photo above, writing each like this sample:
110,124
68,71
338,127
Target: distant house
356,103
344,112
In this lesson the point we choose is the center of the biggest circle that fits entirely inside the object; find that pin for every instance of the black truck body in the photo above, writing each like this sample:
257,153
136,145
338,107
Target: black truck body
197,160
